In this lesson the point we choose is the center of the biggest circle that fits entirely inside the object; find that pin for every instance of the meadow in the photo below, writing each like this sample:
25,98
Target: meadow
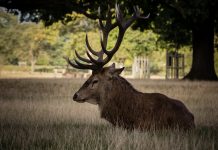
40,114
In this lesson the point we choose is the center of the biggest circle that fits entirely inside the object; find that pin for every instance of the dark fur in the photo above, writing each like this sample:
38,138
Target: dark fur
124,106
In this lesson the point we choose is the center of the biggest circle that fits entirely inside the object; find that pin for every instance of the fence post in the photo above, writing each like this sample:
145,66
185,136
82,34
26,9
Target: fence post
140,67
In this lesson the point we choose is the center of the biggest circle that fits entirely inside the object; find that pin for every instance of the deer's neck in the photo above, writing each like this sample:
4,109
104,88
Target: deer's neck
116,103
120,93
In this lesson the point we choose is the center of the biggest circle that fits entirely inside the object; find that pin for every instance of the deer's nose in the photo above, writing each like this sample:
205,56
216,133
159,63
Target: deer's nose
75,96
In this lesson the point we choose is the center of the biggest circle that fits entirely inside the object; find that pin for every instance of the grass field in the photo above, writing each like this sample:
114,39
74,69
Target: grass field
40,114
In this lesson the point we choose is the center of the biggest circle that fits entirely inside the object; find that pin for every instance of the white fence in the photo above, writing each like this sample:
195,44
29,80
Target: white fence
141,67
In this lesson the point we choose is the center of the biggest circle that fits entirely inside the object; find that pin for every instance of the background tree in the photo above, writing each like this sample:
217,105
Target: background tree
9,37
36,45
179,22
21,41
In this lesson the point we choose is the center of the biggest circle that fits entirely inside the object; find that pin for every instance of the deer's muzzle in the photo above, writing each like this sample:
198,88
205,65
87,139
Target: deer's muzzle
77,98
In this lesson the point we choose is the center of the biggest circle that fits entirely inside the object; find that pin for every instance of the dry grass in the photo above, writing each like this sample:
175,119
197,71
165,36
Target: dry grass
40,114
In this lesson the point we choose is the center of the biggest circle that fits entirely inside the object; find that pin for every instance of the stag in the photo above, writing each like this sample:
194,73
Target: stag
119,102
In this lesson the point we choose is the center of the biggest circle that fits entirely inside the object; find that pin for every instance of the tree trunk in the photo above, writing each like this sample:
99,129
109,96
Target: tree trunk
203,52
32,59
33,62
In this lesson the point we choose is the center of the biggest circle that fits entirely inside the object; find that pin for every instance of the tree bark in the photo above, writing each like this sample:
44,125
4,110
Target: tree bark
33,62
203,52
32,59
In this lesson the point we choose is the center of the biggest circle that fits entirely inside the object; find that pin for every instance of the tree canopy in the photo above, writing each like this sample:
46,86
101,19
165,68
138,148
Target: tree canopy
32,42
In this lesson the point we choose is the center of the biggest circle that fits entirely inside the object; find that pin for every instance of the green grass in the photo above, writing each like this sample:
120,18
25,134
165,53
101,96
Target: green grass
40,114
15,68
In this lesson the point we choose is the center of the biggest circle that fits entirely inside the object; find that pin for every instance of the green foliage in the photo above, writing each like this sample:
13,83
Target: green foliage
20,42
8,37
43,59
50,44
44,69
139,43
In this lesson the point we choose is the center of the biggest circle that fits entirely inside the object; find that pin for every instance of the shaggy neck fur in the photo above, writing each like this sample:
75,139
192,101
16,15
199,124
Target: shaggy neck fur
120,90
117,101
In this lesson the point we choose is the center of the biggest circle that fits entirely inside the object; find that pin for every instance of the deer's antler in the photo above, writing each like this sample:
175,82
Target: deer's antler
122,24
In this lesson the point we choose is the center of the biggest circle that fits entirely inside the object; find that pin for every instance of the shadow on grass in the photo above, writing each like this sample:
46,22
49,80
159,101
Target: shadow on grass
91,136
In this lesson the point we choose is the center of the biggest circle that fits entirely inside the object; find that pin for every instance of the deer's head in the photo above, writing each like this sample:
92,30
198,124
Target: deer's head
98,83
100,80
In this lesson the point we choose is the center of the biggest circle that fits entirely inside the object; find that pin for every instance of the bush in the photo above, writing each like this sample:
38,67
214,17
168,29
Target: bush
44,69
154,69
15,68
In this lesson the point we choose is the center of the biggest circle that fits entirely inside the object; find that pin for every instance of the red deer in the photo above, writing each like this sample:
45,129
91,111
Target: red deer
119,102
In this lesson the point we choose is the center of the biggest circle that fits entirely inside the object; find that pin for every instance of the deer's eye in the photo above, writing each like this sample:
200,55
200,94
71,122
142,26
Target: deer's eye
94,82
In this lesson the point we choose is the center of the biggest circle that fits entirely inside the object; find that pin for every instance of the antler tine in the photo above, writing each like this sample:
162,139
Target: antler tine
123,25
72,64
119,23
105,32
89,47
79,65
92,59
134,17
83,66
103,47
108,25
75,66
81,58
137,13
118,14
100,20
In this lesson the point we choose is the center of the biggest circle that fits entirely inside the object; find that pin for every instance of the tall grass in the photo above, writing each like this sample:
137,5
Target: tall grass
40,114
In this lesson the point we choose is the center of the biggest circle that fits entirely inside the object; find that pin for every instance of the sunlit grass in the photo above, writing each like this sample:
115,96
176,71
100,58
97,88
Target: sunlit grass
40,114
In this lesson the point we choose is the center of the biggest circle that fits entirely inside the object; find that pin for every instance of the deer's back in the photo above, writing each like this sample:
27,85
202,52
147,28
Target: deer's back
159,111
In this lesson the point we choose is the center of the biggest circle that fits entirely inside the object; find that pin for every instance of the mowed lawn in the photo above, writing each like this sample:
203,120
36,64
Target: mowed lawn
40,114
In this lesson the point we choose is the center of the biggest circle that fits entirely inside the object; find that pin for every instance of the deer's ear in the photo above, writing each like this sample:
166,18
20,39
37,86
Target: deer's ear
117,71
112,67
111,71
114,72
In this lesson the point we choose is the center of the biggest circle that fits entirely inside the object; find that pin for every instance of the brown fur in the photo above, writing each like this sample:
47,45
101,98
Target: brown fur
124,106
